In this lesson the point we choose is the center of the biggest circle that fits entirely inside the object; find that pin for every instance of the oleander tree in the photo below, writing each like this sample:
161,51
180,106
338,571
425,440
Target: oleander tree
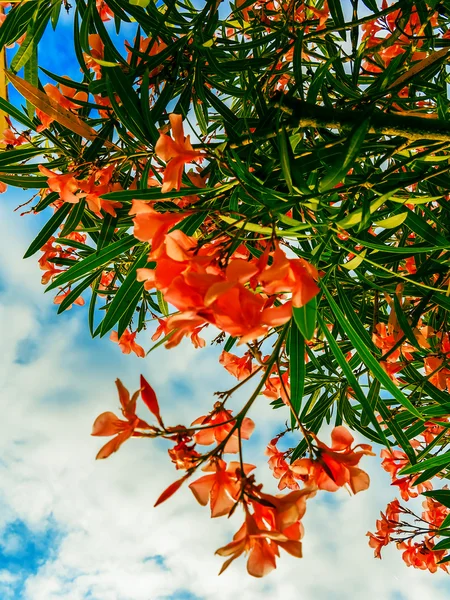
277,172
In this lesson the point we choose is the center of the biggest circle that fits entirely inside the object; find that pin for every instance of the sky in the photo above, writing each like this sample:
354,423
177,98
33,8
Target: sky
72,528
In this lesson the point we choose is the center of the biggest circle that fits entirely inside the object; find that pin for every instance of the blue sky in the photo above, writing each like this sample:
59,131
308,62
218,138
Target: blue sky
75,529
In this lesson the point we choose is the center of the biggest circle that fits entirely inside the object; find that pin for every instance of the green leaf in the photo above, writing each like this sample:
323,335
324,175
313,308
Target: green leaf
16,113
163,306
33,35
356,216
427,475
11,157
286,155
396,430
371,5
352,316
36,183
337,15
107,231
127,292
130,110
425,231
441,496
74,218
229,343
296,369
76,292
372,399
100,259
403,322
443,544
337,171
16,22
354,263
369,360
354,384
305,318
442,460
48,230
392,222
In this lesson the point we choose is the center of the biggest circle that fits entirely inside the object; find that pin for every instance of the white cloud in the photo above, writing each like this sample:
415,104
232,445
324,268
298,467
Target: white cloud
103,511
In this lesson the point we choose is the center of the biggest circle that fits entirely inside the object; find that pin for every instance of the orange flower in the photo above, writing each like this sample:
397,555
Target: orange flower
60,297
294,275
336,466
281,469
220,422
239,366
156,46
435,512
275,524
104,11
105,282
176,152
441,375
59,98
97,52
100,183
259,546
405,486
284,510
127,343
385,527
221,488
150,400
12,139
421,555
184,456
394,461
64,184
278,387
151,225
108,424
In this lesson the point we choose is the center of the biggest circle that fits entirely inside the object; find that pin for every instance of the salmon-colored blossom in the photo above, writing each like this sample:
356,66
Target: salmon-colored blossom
336,466
127,343
62,295
218,425
176,152
281,469
386,526
221,487
64,184
183,455
239,366
275,523
107,424
422,556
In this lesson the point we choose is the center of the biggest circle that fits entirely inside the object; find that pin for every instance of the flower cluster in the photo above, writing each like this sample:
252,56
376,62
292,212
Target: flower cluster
271,522
393,526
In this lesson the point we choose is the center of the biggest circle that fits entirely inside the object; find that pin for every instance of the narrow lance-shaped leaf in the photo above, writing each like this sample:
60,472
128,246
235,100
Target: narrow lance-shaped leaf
49,228
85,266
51,108
354,384
305,318
369,360
296,369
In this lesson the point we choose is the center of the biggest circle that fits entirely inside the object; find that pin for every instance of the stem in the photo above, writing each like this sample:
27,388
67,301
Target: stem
304,114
